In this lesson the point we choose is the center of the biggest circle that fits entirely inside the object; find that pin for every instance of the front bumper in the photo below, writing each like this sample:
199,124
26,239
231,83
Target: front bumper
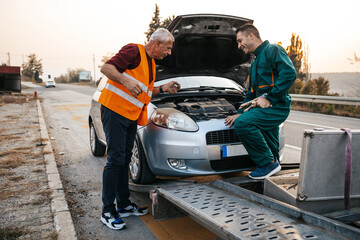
201,158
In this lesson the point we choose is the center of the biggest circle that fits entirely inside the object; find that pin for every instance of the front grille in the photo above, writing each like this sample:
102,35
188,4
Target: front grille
232,163
221,137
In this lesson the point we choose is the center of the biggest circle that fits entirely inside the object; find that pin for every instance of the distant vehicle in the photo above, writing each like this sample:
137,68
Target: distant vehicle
50,83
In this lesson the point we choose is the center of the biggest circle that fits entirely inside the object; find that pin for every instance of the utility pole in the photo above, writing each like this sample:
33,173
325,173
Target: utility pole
8,59
94,69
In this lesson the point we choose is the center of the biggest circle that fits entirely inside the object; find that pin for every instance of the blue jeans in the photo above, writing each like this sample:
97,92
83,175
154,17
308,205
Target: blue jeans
120,134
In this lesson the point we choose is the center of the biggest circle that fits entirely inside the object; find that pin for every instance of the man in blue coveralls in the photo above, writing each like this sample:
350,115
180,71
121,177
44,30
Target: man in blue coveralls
267,101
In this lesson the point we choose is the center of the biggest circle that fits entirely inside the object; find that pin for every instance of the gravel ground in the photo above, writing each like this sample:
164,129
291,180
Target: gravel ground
25,196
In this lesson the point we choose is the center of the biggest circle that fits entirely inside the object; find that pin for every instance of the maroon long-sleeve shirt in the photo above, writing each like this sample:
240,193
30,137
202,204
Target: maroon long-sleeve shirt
129,58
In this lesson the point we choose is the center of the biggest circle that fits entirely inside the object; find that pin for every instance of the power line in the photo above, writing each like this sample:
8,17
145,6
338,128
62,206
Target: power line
51,57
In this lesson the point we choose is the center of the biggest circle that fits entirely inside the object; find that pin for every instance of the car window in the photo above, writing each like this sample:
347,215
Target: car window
194,82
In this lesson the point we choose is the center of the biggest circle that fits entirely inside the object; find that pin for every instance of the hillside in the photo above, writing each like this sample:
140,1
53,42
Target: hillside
346,84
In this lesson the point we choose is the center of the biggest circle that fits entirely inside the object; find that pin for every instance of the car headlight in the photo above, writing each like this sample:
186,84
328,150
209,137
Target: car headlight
173,119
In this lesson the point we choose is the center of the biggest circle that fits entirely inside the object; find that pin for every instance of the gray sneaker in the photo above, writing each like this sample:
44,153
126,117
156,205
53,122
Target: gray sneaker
132,209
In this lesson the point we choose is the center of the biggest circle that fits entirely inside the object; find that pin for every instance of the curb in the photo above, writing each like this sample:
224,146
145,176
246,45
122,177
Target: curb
62,217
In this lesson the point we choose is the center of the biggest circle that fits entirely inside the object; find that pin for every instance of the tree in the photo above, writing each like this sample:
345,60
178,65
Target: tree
295,52
106,58
318,86
297,86
356,59
309,88
306,65
33,67
167,21
154,24
71,76
157,23
322,86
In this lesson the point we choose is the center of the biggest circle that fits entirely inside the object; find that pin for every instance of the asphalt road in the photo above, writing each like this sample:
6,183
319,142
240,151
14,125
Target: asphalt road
66,111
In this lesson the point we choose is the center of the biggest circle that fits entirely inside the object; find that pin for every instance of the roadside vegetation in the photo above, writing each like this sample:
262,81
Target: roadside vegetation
23,181
32,68
304,84
72,76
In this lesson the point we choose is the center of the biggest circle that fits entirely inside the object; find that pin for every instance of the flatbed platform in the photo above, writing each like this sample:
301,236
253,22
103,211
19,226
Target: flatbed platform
233,212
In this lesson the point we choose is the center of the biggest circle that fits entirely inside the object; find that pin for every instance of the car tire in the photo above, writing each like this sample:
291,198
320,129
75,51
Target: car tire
97,148
139,170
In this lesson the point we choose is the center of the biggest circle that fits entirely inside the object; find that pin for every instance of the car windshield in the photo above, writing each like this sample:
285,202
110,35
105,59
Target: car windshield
203,83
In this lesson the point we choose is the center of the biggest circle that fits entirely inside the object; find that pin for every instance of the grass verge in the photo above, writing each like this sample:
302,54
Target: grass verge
9,233
326,108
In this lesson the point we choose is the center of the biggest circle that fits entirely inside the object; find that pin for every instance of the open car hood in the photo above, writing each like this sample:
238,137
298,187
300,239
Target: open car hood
205,44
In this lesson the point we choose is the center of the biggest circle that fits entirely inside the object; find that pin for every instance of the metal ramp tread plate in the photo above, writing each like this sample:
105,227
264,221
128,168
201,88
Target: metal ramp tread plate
233,217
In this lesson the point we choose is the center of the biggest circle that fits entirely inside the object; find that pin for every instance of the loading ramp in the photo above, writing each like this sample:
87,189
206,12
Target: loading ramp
233,212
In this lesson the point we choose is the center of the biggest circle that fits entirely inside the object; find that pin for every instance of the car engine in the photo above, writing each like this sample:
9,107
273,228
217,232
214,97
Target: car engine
202,108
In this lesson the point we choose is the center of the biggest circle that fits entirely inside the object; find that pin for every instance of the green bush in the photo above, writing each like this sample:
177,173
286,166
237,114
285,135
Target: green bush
322,86
317,86
297,86
309,88
325,108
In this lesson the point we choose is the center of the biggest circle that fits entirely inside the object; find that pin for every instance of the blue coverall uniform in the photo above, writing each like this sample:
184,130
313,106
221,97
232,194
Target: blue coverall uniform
272,73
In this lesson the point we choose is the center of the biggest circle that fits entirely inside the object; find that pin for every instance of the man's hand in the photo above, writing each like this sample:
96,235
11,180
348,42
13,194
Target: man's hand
248,105
171,87
231,119
257,102
262,102
133,87
112,73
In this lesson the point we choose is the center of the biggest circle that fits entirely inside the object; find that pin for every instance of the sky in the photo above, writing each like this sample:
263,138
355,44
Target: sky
70,34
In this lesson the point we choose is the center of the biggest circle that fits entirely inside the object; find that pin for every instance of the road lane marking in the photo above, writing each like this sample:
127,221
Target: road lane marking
176,228
293,147
73,105
310,124
69,107
79,119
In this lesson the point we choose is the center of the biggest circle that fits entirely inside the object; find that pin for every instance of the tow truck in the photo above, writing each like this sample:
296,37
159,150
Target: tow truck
319,200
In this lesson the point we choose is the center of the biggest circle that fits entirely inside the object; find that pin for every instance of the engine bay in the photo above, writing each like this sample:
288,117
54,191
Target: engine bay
202,108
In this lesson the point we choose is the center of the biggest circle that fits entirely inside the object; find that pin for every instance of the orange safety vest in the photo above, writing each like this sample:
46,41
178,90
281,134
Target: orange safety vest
118,98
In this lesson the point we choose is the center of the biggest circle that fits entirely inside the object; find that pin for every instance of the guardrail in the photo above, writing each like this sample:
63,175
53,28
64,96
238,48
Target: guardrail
325,99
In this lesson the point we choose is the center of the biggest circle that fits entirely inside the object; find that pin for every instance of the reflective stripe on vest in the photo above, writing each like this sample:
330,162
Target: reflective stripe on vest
119,99
143,86
124,95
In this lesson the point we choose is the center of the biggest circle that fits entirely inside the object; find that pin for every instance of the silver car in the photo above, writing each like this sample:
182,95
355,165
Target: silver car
186,134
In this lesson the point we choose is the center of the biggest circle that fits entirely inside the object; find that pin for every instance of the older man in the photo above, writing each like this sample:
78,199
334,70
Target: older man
268,101
124,100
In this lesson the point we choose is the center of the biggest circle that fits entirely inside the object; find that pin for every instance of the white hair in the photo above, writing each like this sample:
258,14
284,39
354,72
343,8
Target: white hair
162,35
